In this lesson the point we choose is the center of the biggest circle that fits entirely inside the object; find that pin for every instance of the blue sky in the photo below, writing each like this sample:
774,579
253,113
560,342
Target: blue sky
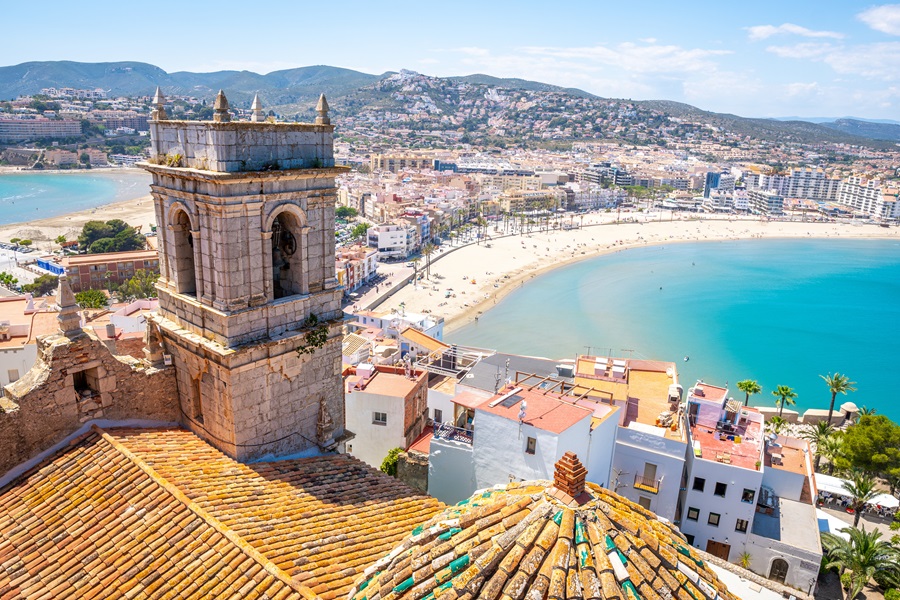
791,57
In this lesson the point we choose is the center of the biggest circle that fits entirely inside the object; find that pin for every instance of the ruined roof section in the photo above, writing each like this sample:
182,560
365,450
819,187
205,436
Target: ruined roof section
533,538
94,521
323,520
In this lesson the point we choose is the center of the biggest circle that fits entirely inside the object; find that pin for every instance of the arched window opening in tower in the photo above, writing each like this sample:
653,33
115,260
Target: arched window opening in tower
185,279
287,269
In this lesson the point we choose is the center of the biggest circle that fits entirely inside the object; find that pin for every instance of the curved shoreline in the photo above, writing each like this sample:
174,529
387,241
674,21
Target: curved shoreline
590,241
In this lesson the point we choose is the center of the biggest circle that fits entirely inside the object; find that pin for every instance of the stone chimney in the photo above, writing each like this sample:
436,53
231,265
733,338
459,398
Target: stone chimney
68,318
322,109
569,474
220,108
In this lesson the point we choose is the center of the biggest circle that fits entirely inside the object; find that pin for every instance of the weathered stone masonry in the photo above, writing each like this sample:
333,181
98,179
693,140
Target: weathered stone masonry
246,215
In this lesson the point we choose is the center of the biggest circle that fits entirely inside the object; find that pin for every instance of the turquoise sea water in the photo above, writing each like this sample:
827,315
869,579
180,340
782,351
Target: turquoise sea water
28,196
778,311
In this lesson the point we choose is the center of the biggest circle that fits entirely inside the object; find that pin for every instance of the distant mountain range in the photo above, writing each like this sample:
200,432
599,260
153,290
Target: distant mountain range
352,92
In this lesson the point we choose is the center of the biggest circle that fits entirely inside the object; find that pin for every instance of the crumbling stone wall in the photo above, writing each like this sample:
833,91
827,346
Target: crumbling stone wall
412,469
43,407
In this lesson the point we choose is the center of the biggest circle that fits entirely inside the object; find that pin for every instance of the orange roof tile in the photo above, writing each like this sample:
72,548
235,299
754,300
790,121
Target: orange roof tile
95,521
323,520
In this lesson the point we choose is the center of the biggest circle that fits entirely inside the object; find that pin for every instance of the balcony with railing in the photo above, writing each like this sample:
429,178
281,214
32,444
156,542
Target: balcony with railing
646,484
448,432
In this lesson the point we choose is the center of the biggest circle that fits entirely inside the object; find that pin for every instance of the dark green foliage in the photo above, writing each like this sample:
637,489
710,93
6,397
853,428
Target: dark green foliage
389,464
91,299
141,285
345,212
112,236
42,286
872,445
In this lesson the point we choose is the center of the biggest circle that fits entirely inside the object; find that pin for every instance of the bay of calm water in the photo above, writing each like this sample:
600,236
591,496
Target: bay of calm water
778,311
35,195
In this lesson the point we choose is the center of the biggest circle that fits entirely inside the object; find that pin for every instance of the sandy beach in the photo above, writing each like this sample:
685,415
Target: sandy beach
138,211
478,276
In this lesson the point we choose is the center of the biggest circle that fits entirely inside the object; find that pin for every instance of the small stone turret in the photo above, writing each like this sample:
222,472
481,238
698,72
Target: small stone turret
68,318
159,111
221,114
256,107
322,110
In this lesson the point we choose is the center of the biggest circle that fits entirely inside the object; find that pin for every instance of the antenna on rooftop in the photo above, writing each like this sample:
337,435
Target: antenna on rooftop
522,411
497,379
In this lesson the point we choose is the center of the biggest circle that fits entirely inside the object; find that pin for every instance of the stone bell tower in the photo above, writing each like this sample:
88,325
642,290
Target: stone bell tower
248,300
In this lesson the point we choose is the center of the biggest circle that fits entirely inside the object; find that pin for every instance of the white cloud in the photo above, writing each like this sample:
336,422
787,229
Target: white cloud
428,61
804,50
884,18
761,32
637,58
473,51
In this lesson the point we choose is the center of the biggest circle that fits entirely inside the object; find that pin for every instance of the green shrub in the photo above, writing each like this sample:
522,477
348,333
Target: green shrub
846,580
389,464
892,594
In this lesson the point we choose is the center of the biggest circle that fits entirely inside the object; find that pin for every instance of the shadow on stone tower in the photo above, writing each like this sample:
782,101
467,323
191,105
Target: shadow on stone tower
248,300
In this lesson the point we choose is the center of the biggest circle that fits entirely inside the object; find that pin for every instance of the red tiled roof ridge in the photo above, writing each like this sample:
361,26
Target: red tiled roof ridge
233,537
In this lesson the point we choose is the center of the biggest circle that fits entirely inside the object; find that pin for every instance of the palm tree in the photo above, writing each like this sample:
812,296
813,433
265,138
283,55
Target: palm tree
749,387
427,250
837,384
776,424
831,449
785,396
861,488
816,436
863,555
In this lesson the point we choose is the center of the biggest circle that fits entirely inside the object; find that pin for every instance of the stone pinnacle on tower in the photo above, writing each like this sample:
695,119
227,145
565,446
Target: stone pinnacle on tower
256,107
220,108
159,110
322,109
68,318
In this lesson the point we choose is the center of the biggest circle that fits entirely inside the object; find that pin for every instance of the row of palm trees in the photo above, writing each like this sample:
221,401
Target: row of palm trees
785,395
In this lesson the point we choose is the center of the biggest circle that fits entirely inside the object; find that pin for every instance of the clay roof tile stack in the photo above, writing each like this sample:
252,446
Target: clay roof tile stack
533,540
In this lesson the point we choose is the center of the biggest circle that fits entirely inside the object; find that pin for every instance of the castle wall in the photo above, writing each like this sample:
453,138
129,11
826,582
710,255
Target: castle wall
43,407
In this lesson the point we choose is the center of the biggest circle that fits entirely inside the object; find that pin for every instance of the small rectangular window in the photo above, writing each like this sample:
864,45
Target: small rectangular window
531,446
693,514
748,496
713,519
13,375
690,539
699,484
741,525
644,502
379,418
721,488
438,416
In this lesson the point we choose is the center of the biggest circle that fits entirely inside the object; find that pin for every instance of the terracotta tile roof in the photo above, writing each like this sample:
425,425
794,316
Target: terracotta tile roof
546,411
532,538
322,520
423,339
95,521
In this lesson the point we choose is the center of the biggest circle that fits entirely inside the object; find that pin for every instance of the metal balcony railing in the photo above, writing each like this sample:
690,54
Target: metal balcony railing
649,485
455,434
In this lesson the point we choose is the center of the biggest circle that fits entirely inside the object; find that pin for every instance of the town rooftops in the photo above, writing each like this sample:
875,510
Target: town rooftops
646,390
422,339
141,512
709,393
384,381
741,446
545,410
109,257
534,539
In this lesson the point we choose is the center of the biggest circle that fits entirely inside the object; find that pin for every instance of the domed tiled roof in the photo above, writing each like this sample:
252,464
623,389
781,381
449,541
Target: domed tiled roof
542,539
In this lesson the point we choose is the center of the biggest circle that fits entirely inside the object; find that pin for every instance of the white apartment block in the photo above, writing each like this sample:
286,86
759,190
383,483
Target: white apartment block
870,197
17,130
392,241
765,202
812,184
